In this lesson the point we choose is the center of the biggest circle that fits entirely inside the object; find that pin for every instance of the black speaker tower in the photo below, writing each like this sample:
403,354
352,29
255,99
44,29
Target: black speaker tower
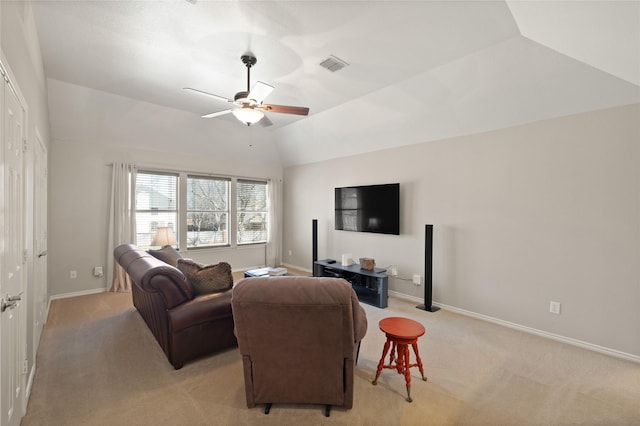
428,270
314,240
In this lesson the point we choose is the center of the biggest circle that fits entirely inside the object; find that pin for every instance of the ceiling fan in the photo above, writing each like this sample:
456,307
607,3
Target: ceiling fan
249,104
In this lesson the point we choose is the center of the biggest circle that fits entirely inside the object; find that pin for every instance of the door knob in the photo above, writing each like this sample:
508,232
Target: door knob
42,254
14,298
8,304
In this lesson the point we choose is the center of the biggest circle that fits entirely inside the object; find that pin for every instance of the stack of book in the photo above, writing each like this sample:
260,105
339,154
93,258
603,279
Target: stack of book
277,271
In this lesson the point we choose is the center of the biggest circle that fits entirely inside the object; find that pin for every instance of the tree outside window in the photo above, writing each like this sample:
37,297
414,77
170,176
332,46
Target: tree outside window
202,206
252,211
207,211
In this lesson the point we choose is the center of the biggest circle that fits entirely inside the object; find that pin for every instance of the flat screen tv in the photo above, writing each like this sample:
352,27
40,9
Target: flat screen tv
371,208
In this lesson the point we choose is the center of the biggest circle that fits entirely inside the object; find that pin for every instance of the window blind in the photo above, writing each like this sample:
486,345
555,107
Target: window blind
252,211
156,205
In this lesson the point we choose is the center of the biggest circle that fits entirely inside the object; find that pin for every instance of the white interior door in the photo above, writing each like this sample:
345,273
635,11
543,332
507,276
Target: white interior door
40,294
12,279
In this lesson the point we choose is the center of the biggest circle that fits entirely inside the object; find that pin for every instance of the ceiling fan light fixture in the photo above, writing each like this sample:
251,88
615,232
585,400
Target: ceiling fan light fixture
249,104
248,116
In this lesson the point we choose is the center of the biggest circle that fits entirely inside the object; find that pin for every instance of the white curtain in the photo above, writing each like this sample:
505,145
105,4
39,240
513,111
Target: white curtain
122,221
274,241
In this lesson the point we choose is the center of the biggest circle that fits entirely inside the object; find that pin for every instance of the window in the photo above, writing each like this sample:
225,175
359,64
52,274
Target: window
207,212
252,211
199,209
156,205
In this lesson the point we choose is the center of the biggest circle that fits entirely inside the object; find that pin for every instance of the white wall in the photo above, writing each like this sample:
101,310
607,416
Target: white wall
522,216
91,129
80,182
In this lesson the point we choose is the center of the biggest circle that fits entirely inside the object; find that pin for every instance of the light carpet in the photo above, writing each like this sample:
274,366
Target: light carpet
98,364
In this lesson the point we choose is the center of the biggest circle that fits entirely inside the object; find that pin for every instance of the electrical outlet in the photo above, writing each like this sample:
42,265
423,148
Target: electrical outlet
290,253
97,271
73,274
393,271
554,307
417,279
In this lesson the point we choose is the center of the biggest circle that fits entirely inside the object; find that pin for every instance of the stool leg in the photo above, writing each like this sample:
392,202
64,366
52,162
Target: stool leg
399,359
418,360
400,364
381,363
392,354
407,370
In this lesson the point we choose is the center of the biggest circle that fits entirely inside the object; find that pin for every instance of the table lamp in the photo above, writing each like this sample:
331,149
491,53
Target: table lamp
164,237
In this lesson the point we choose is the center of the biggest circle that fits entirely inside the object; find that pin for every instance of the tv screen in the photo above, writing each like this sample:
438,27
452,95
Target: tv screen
371,208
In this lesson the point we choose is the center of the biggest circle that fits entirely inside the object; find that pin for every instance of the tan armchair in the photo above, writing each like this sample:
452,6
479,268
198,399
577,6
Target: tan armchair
298,338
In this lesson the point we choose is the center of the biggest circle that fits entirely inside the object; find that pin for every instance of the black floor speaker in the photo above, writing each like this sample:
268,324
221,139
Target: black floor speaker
428,270
314,241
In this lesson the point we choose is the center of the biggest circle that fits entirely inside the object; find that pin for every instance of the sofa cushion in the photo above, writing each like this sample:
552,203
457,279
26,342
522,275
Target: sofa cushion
206,279
167,254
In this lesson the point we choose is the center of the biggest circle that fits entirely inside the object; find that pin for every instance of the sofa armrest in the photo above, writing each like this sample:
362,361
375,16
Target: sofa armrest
201,309
153,275
359,319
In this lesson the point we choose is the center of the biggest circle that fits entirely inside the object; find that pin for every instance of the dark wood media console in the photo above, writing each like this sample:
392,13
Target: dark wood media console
370,286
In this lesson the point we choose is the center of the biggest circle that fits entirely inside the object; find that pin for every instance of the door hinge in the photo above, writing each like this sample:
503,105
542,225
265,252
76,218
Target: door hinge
25,256
25,366
24,145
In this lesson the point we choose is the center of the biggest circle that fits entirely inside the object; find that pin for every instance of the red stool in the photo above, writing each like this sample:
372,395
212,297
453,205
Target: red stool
402,332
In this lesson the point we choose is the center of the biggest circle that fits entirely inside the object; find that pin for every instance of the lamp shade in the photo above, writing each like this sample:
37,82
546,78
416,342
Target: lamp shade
248,115
164,237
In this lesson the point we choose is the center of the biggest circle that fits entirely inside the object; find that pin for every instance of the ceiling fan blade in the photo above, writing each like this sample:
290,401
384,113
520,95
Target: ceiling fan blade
217,114
286,109
222,98
260,91
265,122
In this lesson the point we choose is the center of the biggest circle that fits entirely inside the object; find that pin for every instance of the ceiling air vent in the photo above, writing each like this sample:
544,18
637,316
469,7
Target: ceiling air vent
333,63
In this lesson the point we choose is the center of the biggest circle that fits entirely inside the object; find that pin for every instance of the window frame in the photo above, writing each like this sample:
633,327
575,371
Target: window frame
232,218
227,212
176,226
266,209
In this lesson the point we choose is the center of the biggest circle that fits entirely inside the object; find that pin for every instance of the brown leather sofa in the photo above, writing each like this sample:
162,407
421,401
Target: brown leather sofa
298,338
185,326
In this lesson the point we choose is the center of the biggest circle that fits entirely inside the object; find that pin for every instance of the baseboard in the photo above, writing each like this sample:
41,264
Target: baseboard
406,297
76,293
289,265
568,340
32,375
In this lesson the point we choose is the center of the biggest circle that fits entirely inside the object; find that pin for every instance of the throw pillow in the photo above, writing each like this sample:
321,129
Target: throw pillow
206,279
167,254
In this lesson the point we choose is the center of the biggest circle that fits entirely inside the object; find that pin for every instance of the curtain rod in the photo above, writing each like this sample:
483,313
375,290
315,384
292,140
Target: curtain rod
174,171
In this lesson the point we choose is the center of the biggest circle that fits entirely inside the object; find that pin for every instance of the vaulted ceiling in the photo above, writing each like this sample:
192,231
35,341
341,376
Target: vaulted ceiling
417,70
